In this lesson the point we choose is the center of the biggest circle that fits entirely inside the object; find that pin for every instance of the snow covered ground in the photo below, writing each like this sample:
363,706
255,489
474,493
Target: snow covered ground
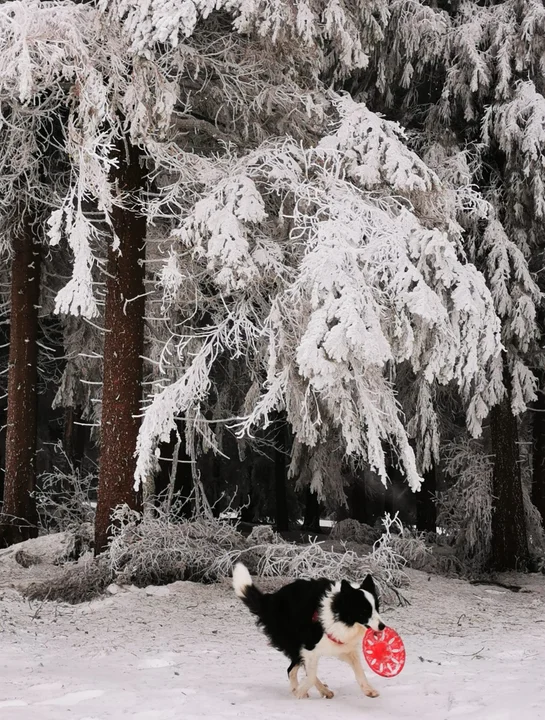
191,651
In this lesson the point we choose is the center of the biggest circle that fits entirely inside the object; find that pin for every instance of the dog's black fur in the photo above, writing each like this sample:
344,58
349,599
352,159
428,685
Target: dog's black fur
288,616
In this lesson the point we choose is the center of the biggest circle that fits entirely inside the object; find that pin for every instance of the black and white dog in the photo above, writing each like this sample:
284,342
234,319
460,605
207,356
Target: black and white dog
309,619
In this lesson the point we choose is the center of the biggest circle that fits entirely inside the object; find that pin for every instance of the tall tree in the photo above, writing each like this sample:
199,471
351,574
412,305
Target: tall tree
311,519
281,475
509,537
471,92
321,333
123,348
71,91
426,511
538,459
19,518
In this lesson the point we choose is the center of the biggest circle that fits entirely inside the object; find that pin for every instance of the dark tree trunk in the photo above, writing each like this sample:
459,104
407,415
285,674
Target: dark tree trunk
19,521
280,481
394,478
212,488
509,539
4,358
357,501
73,438
247,514
311,520
123,347
426,511
538,479
247,505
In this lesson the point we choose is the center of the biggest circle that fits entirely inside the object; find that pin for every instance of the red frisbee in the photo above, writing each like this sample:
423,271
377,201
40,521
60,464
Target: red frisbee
384,651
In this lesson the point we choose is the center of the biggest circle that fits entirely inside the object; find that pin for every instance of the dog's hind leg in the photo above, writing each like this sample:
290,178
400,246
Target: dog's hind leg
323,689
353,659
293,671
311,666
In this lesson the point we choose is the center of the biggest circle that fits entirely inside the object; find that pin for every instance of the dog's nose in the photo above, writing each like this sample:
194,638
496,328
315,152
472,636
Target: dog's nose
381,626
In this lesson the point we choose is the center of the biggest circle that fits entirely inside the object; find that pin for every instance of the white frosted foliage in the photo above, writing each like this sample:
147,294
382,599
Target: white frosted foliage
361,286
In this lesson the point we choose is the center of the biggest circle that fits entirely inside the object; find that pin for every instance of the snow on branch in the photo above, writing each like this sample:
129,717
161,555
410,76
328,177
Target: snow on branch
68,92
218,228
518,126
362,284
490,47
375,152
415,43
350,31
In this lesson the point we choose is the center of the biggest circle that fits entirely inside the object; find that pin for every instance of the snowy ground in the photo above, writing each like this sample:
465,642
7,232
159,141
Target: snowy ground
191,651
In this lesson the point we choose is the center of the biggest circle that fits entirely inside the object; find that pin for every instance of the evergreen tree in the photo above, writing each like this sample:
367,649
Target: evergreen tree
470,91
123,348
19,518
333,258
301,256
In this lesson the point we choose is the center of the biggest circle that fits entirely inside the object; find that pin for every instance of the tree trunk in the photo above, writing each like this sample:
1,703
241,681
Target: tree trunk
19,520
509,539
394,478
123,347
357,501
280,482
73,437
4,358
538,479
311,520
426,511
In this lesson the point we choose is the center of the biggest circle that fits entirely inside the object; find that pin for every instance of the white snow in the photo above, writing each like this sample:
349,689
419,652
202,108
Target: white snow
473,652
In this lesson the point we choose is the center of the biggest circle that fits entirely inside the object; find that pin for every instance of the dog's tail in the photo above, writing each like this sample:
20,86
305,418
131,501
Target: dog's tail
245,589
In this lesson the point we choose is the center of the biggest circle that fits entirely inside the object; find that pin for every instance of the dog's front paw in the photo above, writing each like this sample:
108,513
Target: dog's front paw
370,691
327,693
300,694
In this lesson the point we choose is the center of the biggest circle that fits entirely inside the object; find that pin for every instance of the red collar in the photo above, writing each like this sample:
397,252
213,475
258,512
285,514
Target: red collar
316,618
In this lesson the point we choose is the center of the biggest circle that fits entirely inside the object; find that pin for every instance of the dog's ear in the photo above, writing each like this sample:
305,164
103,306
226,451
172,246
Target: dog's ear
369,585
345,585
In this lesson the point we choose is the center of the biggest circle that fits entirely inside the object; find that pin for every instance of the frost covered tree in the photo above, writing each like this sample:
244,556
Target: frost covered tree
123,349
18,519
309,268
470,88
306,258
28,159
73,101
313,245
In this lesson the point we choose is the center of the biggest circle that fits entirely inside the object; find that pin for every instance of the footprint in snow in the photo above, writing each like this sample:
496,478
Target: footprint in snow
73,698
46,686
12,703
149,663
236,693
467,710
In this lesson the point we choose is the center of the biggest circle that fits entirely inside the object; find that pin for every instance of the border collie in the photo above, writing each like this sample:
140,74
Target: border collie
310,619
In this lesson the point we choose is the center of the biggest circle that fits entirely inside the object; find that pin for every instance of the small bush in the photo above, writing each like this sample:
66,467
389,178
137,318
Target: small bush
75,584
64,499
155,550
407,544
351,530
